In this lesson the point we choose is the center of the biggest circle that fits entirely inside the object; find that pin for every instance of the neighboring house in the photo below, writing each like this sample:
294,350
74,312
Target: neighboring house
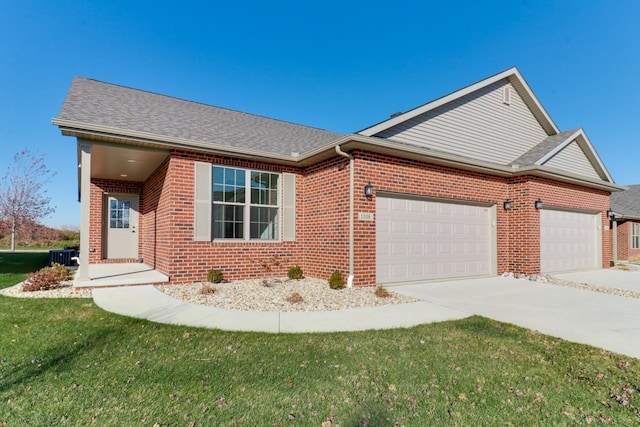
625,209
475,183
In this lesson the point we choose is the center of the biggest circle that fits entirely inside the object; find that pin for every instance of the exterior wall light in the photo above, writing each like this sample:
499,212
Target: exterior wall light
611,215
507,204
368,190
537,204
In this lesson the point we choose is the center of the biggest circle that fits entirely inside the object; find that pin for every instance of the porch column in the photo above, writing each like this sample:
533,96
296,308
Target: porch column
85,201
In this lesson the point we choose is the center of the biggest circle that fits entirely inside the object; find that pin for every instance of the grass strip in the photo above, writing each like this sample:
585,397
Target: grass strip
66,362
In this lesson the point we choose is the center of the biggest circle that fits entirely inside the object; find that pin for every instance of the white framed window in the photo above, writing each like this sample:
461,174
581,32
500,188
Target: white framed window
635,235
246,204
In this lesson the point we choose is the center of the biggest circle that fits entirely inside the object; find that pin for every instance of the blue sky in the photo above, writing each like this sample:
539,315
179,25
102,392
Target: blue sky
336,65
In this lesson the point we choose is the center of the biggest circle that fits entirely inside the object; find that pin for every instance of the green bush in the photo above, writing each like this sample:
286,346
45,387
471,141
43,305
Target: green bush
215,276
46,279
295,273
336,281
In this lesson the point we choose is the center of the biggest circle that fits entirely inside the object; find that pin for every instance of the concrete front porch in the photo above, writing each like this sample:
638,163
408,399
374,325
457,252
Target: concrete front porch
105,275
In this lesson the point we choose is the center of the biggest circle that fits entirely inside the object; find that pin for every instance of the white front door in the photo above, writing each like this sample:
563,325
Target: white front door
121,224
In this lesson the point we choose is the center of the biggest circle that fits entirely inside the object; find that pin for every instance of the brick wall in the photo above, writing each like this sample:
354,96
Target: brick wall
168,227
558,194
322,216
625,252
398,175
97,191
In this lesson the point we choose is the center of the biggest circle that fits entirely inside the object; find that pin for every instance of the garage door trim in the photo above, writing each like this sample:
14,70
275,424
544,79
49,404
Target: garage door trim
565,209
411,196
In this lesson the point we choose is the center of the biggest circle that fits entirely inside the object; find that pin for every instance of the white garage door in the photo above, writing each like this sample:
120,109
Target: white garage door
569,241
423,240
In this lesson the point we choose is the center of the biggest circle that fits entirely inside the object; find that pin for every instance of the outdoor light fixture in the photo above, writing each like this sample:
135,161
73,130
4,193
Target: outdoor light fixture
507,204
368,190
537,204
611,215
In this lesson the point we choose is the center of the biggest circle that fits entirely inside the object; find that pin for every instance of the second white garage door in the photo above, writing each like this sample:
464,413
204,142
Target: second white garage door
569,241
425,240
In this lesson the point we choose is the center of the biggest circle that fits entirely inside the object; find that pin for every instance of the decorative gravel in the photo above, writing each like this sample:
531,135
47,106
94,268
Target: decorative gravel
551,280
253,295
66,290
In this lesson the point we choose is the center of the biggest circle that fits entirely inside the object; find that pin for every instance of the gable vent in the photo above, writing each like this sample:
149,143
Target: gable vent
506,95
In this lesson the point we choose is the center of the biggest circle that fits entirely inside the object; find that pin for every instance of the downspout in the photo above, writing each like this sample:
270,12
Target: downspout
351,212
614,232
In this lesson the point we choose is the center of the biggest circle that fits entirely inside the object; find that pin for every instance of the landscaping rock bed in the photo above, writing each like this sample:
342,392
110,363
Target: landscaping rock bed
281,295
66,290
551,280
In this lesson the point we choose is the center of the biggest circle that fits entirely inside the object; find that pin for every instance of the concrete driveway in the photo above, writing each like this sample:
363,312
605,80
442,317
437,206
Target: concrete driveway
602,320
620,279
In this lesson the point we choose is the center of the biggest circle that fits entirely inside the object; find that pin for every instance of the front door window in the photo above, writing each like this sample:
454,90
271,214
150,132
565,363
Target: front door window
120,213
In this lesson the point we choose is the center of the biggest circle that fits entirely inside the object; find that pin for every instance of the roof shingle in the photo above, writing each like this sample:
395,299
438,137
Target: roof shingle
627,202
540,150
93,102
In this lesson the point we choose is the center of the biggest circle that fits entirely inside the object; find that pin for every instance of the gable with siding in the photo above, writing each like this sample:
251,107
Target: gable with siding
573,159
478,125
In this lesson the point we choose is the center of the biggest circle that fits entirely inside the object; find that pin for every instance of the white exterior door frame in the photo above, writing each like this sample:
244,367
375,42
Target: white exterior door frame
120,226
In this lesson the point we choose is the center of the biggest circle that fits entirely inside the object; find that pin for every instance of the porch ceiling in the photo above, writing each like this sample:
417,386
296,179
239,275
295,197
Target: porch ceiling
124,163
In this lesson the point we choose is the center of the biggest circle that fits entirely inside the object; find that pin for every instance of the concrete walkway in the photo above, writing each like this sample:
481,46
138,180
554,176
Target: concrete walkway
606,321
147,302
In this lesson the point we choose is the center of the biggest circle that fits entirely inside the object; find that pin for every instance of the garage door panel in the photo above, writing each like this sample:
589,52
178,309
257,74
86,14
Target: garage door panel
569,241
422,240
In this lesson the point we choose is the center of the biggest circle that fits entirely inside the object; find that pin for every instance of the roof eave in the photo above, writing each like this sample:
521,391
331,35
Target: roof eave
558,175
619,216
77,129
348,142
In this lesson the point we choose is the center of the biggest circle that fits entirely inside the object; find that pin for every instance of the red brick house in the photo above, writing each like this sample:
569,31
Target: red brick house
625,210
478,182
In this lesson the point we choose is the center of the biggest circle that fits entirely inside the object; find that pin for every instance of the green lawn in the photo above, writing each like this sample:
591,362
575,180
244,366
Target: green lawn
66,362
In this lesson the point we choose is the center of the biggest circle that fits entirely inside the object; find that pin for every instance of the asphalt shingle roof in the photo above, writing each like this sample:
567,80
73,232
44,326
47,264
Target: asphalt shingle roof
98,103
627,202
542,149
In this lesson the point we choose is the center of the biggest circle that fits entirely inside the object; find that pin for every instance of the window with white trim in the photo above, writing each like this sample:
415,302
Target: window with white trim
635,235
245,204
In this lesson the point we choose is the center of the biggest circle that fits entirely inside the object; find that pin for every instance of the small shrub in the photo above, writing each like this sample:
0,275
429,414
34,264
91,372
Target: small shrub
215,276
295,273
382,292
612,263
46,279
295,298
336,281
207,290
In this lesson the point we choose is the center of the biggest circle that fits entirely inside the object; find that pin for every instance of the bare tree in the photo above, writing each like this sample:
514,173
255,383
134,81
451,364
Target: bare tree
22,191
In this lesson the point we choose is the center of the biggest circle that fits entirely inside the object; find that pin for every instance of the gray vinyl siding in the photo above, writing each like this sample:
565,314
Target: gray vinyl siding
573,160
288,207
478,125
202,205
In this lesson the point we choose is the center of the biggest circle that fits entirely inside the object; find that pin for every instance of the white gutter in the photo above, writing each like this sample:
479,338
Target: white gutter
351,212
